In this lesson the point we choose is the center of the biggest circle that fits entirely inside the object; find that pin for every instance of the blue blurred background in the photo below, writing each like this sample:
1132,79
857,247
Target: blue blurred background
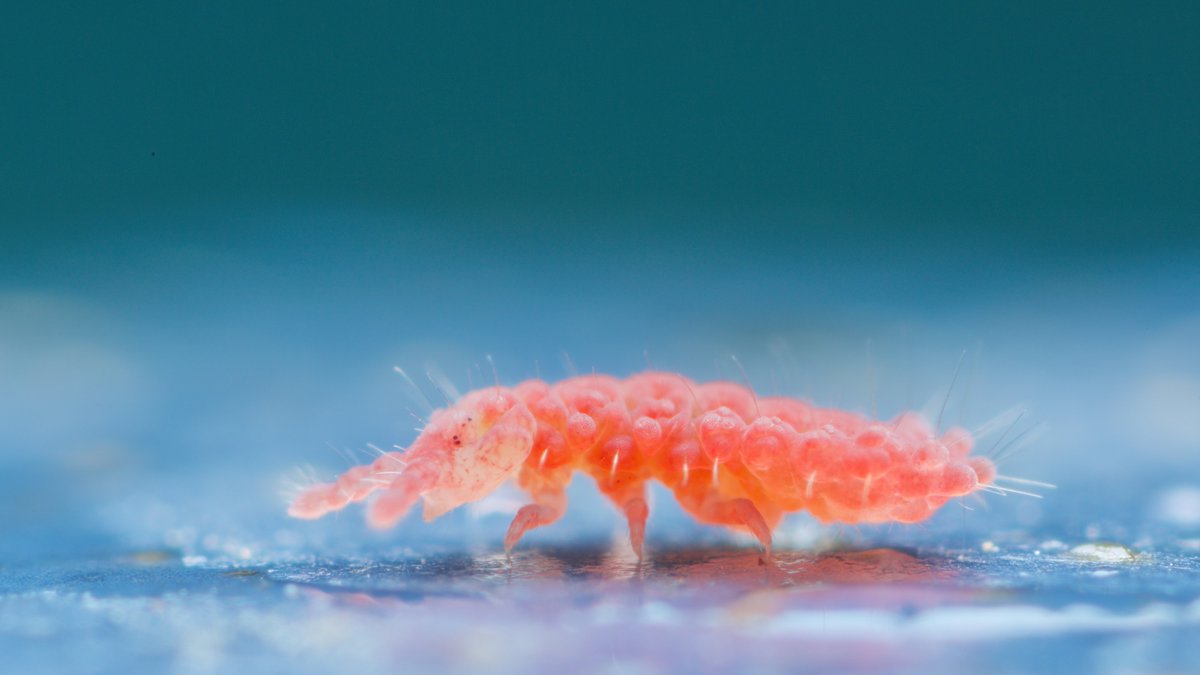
223,223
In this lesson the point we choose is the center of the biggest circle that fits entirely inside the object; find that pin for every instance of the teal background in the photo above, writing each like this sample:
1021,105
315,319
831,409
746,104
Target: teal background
999,113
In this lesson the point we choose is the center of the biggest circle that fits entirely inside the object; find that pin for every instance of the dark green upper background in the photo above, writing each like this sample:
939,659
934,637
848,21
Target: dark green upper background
1003,113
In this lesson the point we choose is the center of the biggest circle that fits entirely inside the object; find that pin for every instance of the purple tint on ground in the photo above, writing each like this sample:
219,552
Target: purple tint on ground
210,587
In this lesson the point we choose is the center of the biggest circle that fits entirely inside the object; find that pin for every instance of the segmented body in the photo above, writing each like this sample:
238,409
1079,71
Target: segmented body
729,457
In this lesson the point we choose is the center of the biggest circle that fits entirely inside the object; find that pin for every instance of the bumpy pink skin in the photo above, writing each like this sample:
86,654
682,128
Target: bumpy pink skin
731,459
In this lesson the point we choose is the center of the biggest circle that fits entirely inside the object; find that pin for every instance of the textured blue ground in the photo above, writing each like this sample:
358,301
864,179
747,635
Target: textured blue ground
257,594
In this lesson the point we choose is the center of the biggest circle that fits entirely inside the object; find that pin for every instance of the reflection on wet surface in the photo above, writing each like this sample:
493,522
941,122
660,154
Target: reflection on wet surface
675,587
235,594
699,572
594,609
